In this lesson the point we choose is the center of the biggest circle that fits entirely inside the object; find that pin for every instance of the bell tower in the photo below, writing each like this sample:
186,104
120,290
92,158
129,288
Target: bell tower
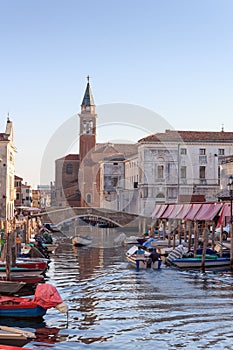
87,139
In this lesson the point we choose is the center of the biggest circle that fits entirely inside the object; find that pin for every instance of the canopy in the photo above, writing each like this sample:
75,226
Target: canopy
158,213
208,211
225,213
191,211
168,211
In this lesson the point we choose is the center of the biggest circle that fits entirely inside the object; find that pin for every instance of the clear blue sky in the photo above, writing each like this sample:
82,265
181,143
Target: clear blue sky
171,56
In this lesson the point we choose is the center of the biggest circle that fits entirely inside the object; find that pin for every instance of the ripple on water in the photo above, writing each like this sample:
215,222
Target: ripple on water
113,306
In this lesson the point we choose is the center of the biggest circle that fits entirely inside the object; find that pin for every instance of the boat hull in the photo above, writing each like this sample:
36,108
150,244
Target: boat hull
20,307
143,263
193,263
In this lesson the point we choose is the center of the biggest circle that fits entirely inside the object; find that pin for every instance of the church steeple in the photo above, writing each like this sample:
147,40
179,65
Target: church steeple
88,100
87,139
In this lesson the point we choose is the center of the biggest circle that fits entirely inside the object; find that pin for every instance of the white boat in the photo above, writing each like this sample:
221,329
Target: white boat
196,263
141,261
79,241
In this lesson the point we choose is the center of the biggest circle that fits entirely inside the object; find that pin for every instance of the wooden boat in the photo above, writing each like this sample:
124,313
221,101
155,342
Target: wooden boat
12,338
141,262
11,287
9,347
211,262
46,296
79,241
30,279
21,271
28,264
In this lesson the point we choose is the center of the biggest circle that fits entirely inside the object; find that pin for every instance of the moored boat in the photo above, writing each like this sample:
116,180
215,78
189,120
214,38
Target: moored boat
79,241
46,297
196,263
28,264
11,287
12,338
142,261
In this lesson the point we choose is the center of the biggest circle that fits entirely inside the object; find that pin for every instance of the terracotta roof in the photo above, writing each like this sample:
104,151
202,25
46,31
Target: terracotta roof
189,136
70,157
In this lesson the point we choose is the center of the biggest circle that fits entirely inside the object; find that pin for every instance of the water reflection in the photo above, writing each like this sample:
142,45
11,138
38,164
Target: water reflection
111,305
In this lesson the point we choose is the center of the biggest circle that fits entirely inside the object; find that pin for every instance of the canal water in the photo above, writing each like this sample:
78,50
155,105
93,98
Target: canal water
112,306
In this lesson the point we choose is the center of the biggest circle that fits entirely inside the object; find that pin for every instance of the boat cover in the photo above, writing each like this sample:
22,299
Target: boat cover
47,296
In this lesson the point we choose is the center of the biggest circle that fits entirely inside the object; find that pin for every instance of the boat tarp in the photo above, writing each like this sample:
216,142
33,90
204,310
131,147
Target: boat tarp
47,296
208,211
160,212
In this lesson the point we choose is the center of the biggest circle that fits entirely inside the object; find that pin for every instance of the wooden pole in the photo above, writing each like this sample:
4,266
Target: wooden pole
169,234
221,236
189,234
213,236
164,229
231,250
8,257
196,235
205,239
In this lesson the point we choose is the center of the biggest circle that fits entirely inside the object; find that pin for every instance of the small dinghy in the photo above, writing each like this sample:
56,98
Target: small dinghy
46,296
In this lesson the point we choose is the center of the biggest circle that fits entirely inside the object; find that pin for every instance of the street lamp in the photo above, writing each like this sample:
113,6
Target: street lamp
230,188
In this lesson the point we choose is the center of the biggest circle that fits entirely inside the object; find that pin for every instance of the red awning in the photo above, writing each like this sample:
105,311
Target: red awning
168,211
160,212
193,211
208,211
184,211
156,210
224,214
176,212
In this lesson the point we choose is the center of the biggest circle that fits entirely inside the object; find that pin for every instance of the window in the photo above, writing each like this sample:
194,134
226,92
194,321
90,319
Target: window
27,190
114,181
183,171
69,169
88,198
202,151
202,172
17,196
160,172
221,151
183,151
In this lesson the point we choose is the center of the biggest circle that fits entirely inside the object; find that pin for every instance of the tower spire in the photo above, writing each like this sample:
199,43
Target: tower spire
88,99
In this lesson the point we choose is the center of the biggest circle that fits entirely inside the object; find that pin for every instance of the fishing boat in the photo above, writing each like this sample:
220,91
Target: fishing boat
211,262
19,277
11,287
28,264
12,338
141,261
20,270
46,297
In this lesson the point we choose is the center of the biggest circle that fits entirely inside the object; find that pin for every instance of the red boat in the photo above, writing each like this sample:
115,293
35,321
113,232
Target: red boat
8,347
46,297
29,264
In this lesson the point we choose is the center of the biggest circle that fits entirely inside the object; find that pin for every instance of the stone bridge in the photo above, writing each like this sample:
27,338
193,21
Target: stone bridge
96,215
